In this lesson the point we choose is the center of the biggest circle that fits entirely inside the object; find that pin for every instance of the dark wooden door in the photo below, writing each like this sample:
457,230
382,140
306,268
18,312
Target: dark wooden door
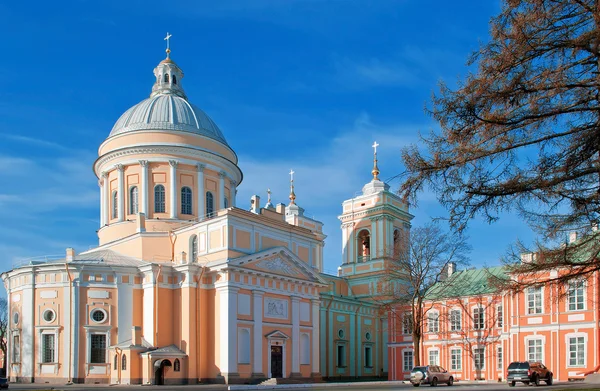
276,361
158,376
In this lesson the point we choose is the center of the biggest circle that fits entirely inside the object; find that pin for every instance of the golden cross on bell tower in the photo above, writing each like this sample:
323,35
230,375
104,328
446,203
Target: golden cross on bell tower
167,38
292,194
375,170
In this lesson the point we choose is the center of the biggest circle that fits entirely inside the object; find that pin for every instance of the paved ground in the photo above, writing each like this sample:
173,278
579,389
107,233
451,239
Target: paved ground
354,387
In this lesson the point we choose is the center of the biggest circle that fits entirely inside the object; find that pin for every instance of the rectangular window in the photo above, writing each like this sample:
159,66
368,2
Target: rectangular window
434,357
341,356
98,348
407,362
455,320
433,323
534,350
479,358
407,324
577,352
499,359
368,357
48,346
500,316
456,359
534,300
576,298
16,349
478,318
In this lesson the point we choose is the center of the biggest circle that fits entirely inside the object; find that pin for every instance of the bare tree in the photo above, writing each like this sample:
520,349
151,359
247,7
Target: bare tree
522,132
4,331
420,260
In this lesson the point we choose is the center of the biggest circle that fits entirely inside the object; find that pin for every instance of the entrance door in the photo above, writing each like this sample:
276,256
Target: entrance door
276,361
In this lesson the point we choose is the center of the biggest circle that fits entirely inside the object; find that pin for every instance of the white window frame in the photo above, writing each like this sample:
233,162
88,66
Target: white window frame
41,333
406,318
499,359
89,330
455,359
437,355
368,358
433,321
585,349
499,316
405,361
455,324
532,305
134,203
538,345
475,358
570,296
476,324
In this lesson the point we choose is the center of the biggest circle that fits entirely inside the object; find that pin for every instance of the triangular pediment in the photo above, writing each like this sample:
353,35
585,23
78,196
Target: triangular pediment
279,261
276,335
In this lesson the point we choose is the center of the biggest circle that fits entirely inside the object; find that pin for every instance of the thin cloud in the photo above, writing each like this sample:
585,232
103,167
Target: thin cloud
34,141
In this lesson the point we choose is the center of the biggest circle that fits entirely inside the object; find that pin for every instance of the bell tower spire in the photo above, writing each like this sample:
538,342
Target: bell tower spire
375,170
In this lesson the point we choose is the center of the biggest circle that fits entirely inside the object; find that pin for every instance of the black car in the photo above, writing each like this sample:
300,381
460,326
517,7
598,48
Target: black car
3,382
527,373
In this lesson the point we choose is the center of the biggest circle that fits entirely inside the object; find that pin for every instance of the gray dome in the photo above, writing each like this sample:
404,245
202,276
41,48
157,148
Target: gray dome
167,112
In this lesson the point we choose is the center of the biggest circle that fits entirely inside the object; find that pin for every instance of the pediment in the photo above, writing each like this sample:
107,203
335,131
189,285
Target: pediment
279,261
276,335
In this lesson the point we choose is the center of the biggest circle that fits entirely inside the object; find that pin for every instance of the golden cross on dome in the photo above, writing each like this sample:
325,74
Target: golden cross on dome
375,145
167,38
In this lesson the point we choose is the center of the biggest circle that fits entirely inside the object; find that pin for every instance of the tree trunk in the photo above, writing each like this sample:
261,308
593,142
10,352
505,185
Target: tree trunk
417,348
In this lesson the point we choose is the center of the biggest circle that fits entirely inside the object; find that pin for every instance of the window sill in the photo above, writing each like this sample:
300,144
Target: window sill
368,367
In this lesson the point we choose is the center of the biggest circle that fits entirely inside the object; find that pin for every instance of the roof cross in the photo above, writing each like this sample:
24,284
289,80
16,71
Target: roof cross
375,145
292,175
167,38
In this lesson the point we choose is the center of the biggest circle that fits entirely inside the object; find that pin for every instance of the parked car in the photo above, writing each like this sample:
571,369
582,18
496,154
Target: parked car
3,382
528,373
430,374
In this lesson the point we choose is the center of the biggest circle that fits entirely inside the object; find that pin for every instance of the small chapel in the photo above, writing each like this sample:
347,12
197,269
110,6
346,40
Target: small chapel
188,284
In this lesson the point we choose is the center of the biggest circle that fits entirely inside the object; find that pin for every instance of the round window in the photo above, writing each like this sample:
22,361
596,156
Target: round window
15,317
49,316
341,333
368,336
98,316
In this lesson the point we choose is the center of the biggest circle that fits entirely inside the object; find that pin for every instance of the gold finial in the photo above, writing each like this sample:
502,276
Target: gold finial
375,170
168,46
292,194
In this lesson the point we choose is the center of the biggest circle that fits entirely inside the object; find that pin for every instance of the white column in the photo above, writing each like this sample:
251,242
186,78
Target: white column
232,192
228,330
102,184
380,247
107,201
345,243
222,176
257,370
373,237
173,188
295,336
201,195
144,189
121,190
315,337
148,307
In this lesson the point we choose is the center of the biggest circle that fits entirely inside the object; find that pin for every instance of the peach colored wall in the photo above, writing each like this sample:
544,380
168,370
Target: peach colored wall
242,239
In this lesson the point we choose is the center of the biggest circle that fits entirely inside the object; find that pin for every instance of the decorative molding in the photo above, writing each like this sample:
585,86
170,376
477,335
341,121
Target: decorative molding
144,163
173,163
276,308
233,183
222,174
120,167
200,167
104,174
277,265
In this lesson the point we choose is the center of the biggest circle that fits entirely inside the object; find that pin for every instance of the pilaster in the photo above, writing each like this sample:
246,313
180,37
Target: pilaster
257,360
222,176
144,189
121,192
173,189
295,337
106,199
315,362
228,331
201,195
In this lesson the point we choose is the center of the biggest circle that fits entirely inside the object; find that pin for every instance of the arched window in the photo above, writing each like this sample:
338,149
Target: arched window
243,346
116,362
174,79
166,77
176,365
133,200
396,243
225,202
304,349
159,199
210,204
186,201
194,248
115,204
124,362
364,246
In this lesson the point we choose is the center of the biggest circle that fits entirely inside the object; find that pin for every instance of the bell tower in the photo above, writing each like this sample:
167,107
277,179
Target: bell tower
372,225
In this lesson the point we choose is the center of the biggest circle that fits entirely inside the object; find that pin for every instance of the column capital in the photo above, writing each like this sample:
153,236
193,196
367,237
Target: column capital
144,163
103,174
316,302
120,167
295,298
173,163
232,183
256,292
222,174
200,167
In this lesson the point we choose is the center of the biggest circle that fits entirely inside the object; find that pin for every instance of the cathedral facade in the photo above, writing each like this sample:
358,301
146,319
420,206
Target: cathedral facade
185,286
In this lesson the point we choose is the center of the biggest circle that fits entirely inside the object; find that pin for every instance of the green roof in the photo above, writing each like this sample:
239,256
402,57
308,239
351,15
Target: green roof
470,282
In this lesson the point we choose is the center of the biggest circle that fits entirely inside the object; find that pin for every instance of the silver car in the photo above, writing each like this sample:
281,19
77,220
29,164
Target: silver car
430,374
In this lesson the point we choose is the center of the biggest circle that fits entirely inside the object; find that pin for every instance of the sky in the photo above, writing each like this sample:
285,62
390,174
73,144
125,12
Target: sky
302,84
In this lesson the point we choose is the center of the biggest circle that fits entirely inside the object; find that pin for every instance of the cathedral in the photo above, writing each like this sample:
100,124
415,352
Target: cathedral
188,284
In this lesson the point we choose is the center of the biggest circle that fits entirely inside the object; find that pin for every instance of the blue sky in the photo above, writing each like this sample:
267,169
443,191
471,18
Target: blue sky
302,84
